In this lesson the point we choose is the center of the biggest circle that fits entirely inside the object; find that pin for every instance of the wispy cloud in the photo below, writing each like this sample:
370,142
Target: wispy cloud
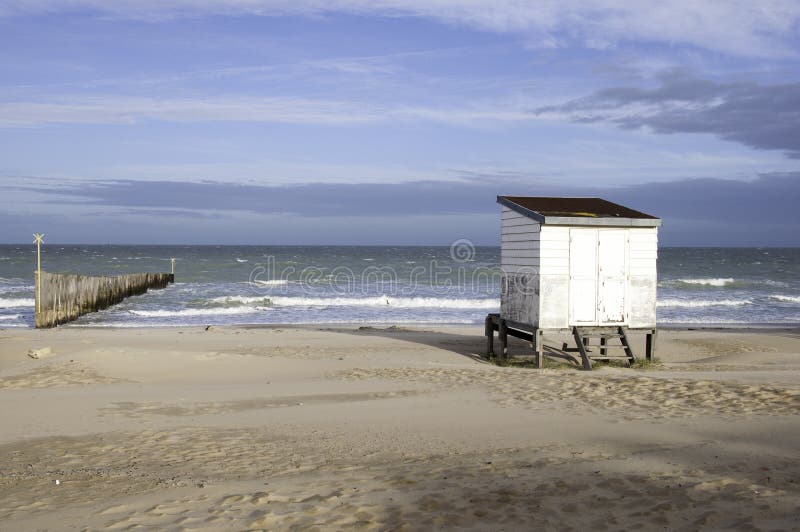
129,110
738,27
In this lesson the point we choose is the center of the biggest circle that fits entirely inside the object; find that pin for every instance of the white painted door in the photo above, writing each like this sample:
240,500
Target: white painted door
583,276
598,276
612,247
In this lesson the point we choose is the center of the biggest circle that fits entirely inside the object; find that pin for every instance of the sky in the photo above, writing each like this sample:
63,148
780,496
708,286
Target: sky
393,123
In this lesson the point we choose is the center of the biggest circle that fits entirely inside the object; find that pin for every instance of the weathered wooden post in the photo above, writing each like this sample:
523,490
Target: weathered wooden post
489,331
502,334
172,260
37,239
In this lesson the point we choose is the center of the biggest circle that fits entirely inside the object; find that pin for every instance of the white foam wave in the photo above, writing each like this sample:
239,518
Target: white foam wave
10,317
785,299
195,312
708,282
704,321
241,300
136,325
384,301
694,303
16,302
721,322
272,282
241,260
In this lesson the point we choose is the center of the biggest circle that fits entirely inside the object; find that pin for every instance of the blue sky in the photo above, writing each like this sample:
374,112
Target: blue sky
386,122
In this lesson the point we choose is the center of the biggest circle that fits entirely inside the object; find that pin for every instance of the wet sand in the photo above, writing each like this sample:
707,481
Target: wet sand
392,429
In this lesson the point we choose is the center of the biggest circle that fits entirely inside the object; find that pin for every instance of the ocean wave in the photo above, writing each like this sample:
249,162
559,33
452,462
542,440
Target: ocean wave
705,321
16,302
694,303
708,282
356,321
196,312
271,282
239,300
785,299
380,301
770,282
15,291
719,282
384,301
241,260
725,322
10,317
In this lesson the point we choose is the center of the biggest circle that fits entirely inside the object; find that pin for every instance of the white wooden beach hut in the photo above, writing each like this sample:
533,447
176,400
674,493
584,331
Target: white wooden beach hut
584,265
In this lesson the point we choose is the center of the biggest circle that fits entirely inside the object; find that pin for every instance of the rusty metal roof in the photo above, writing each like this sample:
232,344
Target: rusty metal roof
582,211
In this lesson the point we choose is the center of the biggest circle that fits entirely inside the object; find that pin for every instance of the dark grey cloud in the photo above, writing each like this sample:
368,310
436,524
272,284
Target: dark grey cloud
320,200
695,211
771,198
764,117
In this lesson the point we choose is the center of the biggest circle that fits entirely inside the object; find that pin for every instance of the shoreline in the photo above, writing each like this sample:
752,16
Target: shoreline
723,327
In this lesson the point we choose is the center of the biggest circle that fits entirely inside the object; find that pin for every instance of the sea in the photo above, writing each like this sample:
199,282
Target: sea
382,285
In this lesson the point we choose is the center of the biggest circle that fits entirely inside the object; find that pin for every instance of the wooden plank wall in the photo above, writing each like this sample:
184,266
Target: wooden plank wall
65,297
520,242
643,256
519,260
554,281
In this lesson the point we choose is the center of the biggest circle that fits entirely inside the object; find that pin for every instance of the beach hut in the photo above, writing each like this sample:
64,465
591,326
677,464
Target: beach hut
582,265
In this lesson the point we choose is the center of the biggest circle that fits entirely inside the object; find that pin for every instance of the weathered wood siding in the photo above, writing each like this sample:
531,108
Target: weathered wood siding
65,297
519,242
643,280
519,260
554,282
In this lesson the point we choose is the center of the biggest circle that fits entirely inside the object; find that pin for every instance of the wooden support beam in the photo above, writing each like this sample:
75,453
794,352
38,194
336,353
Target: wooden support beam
489,330
628,351
650,345
538,348
502,334
587,364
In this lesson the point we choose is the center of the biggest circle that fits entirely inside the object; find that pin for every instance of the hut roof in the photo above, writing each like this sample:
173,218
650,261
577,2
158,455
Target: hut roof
577,211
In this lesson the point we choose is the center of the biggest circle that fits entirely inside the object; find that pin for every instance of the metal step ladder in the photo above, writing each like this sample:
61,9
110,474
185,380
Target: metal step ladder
583,337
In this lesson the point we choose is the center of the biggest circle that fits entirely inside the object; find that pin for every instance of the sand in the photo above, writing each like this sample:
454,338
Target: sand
237,428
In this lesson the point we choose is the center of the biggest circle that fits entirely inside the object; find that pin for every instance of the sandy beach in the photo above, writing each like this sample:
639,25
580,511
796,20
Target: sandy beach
237,428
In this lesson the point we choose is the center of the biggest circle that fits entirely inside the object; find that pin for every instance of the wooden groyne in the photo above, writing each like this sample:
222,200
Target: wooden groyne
64,296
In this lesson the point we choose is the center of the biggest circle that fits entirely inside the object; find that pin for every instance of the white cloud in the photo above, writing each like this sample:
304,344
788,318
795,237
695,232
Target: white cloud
738,27
129,110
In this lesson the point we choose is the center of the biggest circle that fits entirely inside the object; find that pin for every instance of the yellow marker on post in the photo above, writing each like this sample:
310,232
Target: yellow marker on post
37,239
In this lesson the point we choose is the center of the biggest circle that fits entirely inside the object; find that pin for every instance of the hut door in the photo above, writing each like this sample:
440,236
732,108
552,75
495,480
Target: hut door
583,276
612,275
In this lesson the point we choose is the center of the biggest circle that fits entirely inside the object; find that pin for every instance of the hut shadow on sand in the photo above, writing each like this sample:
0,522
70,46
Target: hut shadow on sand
472,346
